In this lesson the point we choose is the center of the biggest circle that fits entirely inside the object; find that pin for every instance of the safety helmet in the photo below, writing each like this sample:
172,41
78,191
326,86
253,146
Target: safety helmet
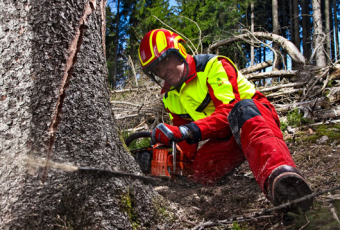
156,45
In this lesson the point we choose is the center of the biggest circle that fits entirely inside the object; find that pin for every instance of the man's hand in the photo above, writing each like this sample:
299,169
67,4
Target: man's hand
166,134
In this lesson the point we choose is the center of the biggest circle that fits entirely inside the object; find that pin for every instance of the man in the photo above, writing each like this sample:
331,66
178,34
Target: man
208,99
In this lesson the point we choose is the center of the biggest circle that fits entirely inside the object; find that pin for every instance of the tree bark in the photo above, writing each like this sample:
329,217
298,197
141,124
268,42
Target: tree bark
327,30
276,27
55,105
252,53
330,15
296,16
319,35
116,47
336,30
306,41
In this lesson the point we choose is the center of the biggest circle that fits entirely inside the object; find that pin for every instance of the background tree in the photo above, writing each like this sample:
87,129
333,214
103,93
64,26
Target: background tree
319,35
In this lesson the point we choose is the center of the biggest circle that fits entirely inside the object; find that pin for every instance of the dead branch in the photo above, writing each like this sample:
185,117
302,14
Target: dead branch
287,45
283,93
264,212
268,89
125,102
281,73
256,67
134,89
330,113
318,103
314,80
133,69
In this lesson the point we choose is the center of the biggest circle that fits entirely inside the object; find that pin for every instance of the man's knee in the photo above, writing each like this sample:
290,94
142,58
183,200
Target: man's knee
243,111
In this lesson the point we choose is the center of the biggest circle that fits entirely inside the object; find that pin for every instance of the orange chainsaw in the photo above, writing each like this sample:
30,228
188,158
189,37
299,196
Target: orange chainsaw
157,160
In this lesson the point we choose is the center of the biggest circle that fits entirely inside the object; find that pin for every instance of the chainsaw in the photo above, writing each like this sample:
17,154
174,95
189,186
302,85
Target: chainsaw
158,160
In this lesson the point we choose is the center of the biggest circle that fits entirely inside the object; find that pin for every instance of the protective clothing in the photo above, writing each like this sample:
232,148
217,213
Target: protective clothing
156,45
164,133
239,121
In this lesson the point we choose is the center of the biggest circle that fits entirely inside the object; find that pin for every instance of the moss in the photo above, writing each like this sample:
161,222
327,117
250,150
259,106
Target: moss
331,131
320,217
127,205
237,226
295,118
163,212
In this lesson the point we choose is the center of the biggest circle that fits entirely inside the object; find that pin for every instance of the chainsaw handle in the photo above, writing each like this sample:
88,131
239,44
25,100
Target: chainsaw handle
135,136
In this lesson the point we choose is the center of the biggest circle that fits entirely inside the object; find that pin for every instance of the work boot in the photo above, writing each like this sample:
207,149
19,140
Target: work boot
284,184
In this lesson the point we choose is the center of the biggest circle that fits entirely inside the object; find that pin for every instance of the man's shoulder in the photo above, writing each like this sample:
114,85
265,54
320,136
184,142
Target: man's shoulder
201,61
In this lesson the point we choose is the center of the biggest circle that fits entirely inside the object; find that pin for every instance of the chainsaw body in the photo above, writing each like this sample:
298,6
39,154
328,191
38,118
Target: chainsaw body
158,159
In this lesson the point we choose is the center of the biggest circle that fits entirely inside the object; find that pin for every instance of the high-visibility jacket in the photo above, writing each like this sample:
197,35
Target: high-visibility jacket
213,86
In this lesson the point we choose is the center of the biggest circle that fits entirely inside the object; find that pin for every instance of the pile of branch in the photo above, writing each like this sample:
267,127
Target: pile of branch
317,97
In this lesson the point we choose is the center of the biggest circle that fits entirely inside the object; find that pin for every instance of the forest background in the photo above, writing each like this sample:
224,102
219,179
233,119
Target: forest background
204,23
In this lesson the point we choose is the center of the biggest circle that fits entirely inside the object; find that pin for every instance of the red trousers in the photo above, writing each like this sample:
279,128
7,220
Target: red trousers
256,138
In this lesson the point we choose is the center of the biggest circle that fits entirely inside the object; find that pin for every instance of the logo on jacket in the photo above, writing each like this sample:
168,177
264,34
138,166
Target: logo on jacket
219,81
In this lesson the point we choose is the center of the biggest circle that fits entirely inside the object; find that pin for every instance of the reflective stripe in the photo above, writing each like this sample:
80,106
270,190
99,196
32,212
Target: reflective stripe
204,104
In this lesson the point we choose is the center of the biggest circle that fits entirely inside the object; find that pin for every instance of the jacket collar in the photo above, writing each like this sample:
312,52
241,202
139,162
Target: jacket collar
192,74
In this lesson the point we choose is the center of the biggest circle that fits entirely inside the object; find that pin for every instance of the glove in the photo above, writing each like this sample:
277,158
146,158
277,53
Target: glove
166,134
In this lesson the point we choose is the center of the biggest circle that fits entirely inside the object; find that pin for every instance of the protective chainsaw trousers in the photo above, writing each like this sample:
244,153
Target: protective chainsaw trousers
256,138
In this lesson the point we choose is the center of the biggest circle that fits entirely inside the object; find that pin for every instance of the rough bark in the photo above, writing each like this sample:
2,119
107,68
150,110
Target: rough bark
336,30
306,41
319,35
296,16
328,31
116,46
252,53
55,105
276,26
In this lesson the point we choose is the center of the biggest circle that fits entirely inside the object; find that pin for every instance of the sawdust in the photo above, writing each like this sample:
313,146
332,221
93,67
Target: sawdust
33,163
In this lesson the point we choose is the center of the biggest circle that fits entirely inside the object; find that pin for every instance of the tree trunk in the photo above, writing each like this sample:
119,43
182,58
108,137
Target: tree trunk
332,49
327,31
252,53
276,27
55,105
296,16
336,30
319,35
116,47
306,41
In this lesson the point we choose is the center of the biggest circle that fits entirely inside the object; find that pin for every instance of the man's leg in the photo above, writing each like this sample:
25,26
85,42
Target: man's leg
215,159
256,130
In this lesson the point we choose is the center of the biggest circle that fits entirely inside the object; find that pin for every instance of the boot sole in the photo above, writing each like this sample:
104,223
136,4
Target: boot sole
290,186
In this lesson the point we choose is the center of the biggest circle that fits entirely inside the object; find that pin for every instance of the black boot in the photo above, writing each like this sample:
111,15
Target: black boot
284,184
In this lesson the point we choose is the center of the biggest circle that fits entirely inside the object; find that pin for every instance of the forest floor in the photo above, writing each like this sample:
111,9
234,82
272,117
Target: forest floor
239,196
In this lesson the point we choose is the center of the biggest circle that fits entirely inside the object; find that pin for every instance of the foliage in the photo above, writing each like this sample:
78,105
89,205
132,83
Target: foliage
137,144
295,118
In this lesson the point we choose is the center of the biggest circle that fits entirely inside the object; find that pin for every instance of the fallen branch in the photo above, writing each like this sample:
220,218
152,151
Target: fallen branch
320,102
281,73
257,67
134,89
287,45
262,90
284,92
330,113
264,213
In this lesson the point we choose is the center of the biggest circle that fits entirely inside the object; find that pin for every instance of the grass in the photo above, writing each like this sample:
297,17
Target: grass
331,131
